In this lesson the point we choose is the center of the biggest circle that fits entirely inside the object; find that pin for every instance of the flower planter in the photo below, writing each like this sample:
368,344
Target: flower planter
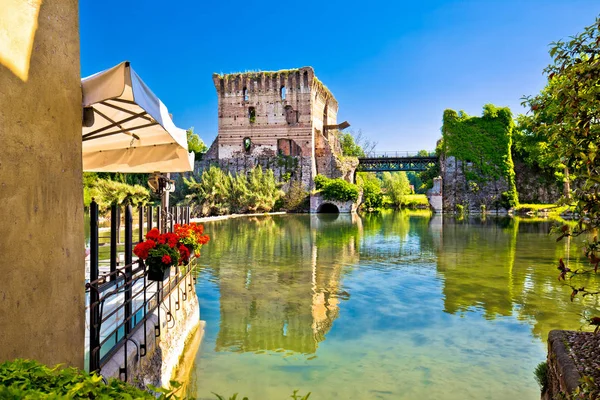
158,275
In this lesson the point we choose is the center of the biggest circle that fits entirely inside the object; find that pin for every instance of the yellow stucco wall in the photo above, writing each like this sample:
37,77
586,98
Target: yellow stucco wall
41,217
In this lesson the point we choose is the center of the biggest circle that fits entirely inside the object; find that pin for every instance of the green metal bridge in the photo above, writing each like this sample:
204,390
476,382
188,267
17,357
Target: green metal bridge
396,161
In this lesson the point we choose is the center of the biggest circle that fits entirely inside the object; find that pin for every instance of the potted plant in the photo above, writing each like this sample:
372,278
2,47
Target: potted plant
191,238
160,252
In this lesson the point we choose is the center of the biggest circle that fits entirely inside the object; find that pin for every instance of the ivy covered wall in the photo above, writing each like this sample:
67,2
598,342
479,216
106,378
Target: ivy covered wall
476,162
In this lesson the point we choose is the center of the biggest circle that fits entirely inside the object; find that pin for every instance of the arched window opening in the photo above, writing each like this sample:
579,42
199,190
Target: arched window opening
245,93
282,92
247,144
252,114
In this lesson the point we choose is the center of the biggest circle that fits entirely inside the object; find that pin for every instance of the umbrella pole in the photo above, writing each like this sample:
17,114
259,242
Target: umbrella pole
164,205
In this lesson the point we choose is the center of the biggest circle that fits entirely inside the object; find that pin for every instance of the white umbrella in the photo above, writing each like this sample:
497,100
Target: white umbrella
131,130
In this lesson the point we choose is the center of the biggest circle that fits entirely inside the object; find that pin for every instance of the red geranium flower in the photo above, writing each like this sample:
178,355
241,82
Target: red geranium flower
166,259
153,234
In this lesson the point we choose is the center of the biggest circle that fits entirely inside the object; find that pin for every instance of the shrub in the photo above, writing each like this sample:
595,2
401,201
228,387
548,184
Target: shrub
27,379
340,190
218,192
107,192
372,195
320,181
541,375
296,199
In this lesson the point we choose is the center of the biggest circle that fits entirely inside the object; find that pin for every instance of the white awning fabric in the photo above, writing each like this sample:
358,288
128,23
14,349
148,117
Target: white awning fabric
132,130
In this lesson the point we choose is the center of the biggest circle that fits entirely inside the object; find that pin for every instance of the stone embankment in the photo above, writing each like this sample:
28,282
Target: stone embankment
572,355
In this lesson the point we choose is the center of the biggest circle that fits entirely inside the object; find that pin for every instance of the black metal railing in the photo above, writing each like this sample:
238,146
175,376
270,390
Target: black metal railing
122,301
399,154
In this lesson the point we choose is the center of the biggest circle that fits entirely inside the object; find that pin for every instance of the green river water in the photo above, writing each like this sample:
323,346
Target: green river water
382,306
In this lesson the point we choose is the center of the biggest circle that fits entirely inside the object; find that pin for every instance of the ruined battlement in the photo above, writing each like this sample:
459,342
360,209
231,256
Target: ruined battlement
276,113
283,82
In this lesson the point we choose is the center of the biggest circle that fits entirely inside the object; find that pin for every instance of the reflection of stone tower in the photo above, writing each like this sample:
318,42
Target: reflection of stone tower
263,115
289,307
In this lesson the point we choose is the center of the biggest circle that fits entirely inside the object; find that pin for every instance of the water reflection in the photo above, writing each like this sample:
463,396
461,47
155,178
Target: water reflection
507,266
344,305
280,295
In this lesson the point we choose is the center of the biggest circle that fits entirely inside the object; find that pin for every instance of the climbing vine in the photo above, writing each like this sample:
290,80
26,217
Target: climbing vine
484,145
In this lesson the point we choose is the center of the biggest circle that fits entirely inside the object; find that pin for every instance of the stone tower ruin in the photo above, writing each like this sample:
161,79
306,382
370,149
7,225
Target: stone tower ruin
284,120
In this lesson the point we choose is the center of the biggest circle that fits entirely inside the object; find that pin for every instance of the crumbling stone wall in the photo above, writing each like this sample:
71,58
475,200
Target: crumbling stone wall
535,185
458,189
266,115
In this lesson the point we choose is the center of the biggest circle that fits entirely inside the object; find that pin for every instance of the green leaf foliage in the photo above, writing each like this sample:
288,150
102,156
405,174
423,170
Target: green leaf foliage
371,188
297,199
195,144
396,187
218,192
484,144
26,379
107,192
349,146
336,189
566,115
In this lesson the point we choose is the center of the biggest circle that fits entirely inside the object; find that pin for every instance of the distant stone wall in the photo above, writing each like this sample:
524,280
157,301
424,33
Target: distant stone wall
435,196
535,185
470,194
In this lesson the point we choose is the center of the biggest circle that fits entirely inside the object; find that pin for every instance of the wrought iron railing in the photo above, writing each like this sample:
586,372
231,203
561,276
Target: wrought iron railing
123,300
398,154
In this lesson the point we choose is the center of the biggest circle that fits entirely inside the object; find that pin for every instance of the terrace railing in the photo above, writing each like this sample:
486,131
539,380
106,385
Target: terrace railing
122,300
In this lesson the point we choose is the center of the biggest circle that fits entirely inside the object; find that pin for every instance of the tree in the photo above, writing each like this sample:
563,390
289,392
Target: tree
195,144
566,114
396,186
355,144
371,187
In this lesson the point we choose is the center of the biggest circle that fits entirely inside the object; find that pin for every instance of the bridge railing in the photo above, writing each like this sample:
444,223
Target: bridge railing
398,154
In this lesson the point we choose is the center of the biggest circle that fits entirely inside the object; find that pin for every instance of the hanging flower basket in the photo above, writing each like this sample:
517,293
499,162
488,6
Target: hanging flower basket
158,275
160,253
163,251
192,237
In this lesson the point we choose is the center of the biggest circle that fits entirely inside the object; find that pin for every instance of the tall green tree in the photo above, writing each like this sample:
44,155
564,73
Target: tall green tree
371,188
396,186
567,115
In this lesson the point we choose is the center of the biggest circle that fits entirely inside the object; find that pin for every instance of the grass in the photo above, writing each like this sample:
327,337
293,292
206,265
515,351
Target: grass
412,201
535,209
415,201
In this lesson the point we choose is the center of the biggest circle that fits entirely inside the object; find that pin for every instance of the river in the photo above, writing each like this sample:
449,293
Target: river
380,306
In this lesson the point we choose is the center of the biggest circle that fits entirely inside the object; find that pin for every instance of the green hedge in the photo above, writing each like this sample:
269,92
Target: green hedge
336,189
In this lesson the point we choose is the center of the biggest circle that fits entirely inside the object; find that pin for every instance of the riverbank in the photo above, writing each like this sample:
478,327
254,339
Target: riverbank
230,216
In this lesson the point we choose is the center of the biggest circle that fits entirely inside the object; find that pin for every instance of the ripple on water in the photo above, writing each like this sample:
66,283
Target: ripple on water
385,306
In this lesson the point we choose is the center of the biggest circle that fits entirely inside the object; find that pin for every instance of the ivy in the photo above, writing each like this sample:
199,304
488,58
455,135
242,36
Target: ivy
484,145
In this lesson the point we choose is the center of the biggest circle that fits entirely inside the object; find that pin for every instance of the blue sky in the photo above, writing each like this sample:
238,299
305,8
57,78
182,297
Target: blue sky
394,66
